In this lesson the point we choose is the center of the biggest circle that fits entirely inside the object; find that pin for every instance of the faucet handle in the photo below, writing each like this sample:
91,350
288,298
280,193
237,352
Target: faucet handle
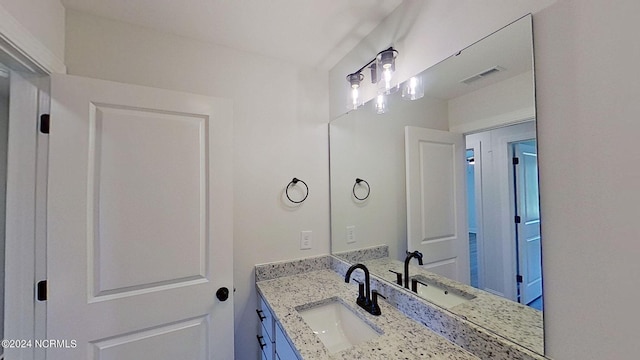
398,277
362,299
375,308
414,284
375,295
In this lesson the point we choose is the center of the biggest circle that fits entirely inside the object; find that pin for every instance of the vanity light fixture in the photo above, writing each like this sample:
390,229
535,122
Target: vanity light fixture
382,68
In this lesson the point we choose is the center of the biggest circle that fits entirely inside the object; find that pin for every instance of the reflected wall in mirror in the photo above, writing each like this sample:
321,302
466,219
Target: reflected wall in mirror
441,179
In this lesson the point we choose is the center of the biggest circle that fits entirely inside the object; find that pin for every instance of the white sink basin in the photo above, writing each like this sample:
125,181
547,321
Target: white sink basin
442,296
337,326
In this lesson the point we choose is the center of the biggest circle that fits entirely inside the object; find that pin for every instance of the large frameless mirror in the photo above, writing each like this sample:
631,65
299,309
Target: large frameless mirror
452,175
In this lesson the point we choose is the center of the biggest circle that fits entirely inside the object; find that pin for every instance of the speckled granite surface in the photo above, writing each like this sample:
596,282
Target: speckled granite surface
520,324
472,337
359,255
291,267
483,343
402,337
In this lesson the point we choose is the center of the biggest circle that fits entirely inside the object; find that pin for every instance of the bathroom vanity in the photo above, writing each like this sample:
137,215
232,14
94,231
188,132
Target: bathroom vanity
395,334
298,299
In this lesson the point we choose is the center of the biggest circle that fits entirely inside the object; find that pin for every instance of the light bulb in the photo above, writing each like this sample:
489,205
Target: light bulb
385,61
381,104
387,78
413,89
354,100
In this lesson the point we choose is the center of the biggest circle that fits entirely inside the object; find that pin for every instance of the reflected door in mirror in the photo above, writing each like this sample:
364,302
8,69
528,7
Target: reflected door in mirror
436,209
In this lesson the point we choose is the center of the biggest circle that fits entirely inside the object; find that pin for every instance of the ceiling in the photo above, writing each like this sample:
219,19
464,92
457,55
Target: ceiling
315,33
510,48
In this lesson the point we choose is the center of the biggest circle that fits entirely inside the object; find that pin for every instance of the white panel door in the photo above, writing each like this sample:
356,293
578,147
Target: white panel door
528,230
436,201
139,223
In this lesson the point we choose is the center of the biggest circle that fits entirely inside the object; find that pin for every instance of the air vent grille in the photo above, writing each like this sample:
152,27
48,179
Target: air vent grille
482,74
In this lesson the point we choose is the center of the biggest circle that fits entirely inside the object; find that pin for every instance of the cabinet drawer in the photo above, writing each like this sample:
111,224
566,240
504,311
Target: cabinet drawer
266,319
266,346
284,351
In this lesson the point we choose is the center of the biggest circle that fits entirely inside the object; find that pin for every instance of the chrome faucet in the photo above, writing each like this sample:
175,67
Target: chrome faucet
364,291
416,254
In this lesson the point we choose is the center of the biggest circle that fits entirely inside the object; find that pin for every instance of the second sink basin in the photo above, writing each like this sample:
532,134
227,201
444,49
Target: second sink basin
442,295
337,326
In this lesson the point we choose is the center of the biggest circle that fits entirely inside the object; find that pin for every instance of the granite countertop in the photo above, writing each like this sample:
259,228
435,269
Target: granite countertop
402,338
516,322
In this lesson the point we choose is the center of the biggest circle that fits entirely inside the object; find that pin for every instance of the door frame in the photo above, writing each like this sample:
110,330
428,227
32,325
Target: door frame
25,239
498,144
505,154
476,146
21,51
25,236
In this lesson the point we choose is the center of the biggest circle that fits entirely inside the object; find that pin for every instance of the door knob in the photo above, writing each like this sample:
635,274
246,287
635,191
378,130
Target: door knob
222,294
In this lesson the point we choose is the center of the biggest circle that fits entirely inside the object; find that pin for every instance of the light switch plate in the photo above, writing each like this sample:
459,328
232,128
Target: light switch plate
305,240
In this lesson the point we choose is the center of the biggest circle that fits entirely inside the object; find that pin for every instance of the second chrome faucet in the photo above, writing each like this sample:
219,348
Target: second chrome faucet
367,299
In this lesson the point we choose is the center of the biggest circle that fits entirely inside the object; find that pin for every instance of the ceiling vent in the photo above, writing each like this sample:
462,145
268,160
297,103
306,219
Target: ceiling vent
482,74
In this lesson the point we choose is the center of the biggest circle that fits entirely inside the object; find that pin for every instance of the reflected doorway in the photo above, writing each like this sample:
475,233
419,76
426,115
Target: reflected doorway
472,218
527,222
503,213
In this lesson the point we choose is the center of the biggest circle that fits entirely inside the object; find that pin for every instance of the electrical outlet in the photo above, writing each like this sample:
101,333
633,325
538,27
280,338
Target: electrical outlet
305,240
351,234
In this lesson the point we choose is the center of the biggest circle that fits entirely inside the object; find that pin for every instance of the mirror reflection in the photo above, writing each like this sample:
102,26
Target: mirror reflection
440,194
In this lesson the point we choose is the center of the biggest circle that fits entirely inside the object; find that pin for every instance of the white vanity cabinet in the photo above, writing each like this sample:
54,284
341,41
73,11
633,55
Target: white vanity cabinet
273,343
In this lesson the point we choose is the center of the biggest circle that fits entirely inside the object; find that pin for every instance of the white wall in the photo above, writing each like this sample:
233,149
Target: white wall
371,146
506,102
586,53
586,57
280,132
43,19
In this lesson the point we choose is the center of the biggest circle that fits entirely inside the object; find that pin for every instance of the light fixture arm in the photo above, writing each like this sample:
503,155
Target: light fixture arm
395,53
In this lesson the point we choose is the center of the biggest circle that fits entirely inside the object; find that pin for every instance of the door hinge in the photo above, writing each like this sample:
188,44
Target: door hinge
45,121
515,161
517,219
41,290
519,278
